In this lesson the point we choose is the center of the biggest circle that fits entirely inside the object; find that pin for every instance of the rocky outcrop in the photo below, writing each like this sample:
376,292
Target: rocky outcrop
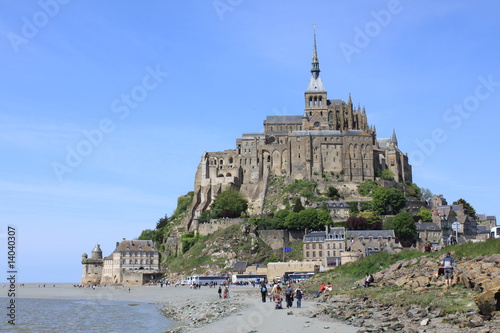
481,273
373,317
416,275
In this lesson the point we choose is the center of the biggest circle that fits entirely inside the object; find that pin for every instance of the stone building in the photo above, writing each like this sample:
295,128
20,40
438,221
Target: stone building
339,211
325,247
133,262
92,267
331,136
437,201
444,216
368,242
429,232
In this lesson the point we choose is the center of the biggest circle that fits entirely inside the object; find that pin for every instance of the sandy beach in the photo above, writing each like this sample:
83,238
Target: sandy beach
201,310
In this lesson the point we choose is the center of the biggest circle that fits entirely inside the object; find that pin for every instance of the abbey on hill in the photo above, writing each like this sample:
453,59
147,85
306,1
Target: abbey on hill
331,136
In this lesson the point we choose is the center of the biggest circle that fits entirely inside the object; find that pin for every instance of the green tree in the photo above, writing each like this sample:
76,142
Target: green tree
404,228
333,192
162,222
366,188
183,203
388,201
207,215
324,218
354,208
374,221
412,190
297,207
424,214
188,240
468,209
147,234
280,218
365,206
388,223
426,193
292,221
308,218
387,174
230,203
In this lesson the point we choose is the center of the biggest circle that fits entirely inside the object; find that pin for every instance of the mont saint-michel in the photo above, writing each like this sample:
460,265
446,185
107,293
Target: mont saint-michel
332,137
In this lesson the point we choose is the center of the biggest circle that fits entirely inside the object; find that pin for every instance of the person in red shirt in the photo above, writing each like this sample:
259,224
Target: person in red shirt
321,289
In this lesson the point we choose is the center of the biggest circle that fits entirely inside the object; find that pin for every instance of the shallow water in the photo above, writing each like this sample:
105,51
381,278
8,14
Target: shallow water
85,315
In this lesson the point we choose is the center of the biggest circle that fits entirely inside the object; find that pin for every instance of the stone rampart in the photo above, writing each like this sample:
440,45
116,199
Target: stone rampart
207,228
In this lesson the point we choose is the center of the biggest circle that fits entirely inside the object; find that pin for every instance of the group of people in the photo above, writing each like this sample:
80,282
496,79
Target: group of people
278,292
226,291
324,287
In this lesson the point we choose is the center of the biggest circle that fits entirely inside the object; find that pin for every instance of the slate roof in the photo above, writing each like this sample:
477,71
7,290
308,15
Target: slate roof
315,85
135,245
240,266
422,226
253,135
315,236
283,119
333,205
336,102
368,233
383,143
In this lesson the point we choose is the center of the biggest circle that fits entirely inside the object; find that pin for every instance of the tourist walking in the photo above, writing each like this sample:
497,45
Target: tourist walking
298,296
289,295
263,291
448,264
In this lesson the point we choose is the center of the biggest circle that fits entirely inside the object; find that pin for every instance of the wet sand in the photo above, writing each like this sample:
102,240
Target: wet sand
250,315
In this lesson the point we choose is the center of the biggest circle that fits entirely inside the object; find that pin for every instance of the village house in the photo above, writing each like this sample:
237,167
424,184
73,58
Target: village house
429,232
339,211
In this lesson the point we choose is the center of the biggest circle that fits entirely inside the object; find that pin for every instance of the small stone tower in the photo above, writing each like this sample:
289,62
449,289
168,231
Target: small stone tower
92,268
96,252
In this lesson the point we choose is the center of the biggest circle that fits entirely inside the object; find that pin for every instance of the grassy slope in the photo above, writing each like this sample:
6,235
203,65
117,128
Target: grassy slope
344,277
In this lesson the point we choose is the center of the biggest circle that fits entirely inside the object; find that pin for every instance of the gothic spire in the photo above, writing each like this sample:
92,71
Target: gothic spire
315,83
394,139
315,63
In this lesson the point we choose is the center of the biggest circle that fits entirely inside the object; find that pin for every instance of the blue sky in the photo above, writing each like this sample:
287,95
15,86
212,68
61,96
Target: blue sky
107,108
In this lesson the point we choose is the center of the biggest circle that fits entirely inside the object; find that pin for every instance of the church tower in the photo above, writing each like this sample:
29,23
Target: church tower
316,103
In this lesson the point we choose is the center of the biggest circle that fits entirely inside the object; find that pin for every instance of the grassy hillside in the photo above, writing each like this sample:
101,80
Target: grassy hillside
346,278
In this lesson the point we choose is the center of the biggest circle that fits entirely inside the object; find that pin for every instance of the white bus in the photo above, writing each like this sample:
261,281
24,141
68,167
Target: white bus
207,279
241,278
495,232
